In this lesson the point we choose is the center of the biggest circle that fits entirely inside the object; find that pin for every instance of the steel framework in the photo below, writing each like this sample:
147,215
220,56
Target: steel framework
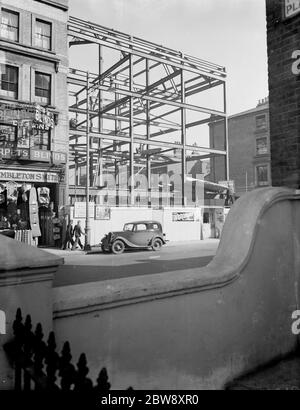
148,98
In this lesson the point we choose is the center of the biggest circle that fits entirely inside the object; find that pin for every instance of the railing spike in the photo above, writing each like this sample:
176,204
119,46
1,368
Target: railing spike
66,369
82,382
102,381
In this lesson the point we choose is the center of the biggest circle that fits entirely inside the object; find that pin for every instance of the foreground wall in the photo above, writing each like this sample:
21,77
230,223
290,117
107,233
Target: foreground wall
196,328
26,278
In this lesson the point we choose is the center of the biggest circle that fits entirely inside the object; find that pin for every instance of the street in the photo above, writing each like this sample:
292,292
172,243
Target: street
80,267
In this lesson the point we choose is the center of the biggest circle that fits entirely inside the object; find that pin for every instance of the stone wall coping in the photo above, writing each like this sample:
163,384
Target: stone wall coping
233,253
15,255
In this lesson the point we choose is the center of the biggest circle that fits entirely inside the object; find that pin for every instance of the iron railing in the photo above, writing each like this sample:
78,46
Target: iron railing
38,366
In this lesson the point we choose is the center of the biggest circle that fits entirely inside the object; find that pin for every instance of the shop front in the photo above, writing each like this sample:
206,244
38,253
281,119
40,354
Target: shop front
27,206
30,175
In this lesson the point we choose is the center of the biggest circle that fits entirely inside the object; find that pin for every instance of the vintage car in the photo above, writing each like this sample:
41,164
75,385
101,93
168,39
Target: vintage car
135,235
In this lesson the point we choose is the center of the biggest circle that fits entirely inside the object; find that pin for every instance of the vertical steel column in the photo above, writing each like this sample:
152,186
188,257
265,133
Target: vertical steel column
226,135
87,219
100,124
115,148
77,177
131,131
148,135
183,139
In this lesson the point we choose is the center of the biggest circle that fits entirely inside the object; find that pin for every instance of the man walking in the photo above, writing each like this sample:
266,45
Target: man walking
78,232
69,236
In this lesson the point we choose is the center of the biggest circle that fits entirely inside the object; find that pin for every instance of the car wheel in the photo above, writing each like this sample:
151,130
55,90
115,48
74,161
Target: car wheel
118,247
157,244
104,250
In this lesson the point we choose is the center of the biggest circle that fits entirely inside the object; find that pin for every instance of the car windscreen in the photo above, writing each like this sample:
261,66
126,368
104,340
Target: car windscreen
128,227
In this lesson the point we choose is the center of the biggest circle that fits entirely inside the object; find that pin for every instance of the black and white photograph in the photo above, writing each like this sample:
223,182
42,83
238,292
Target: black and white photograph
149,199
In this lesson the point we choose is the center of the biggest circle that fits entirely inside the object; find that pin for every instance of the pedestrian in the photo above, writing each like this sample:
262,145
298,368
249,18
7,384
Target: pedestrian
69,236
78,232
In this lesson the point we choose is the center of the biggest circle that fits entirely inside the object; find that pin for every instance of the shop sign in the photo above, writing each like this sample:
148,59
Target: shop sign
102,213
43,120
59,157
28,176
80,210
17,112
40,117
9,153
40,155
291,8
33,155
183,216
46,156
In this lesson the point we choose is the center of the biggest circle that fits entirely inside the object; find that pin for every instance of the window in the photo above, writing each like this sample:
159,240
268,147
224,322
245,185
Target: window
9,25
43,88
9,81
7,135
43,34
261,122
154,226
128,227
41,140
262,175
261,146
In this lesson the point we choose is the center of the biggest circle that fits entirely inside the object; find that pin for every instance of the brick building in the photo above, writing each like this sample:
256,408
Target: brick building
249,149
283,38
33,113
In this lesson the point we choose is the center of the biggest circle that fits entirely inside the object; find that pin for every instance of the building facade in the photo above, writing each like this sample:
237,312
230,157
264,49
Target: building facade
283,39
33,115
249,149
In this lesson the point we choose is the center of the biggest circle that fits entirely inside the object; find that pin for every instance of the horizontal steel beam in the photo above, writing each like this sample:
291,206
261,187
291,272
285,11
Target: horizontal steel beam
139,140
114,37
86,33
167,102
141,93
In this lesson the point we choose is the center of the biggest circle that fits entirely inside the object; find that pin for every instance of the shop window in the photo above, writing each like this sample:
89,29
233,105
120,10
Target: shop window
261,146
9,81
43,88
7,135
9,25
261,122
262,175
41,140
43,35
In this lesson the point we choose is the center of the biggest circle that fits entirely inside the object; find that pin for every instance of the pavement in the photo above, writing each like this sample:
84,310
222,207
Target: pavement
83,267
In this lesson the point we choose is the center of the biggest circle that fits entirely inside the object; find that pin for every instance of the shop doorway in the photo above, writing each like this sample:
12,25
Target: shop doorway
46,226
206,225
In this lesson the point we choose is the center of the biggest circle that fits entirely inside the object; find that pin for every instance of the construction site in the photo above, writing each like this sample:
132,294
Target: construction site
139,123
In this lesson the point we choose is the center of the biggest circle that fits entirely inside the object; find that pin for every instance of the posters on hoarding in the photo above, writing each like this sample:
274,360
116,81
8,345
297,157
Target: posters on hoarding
80,210
102,213
183,216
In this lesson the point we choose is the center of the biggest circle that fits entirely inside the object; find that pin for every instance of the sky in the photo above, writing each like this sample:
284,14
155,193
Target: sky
231,33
